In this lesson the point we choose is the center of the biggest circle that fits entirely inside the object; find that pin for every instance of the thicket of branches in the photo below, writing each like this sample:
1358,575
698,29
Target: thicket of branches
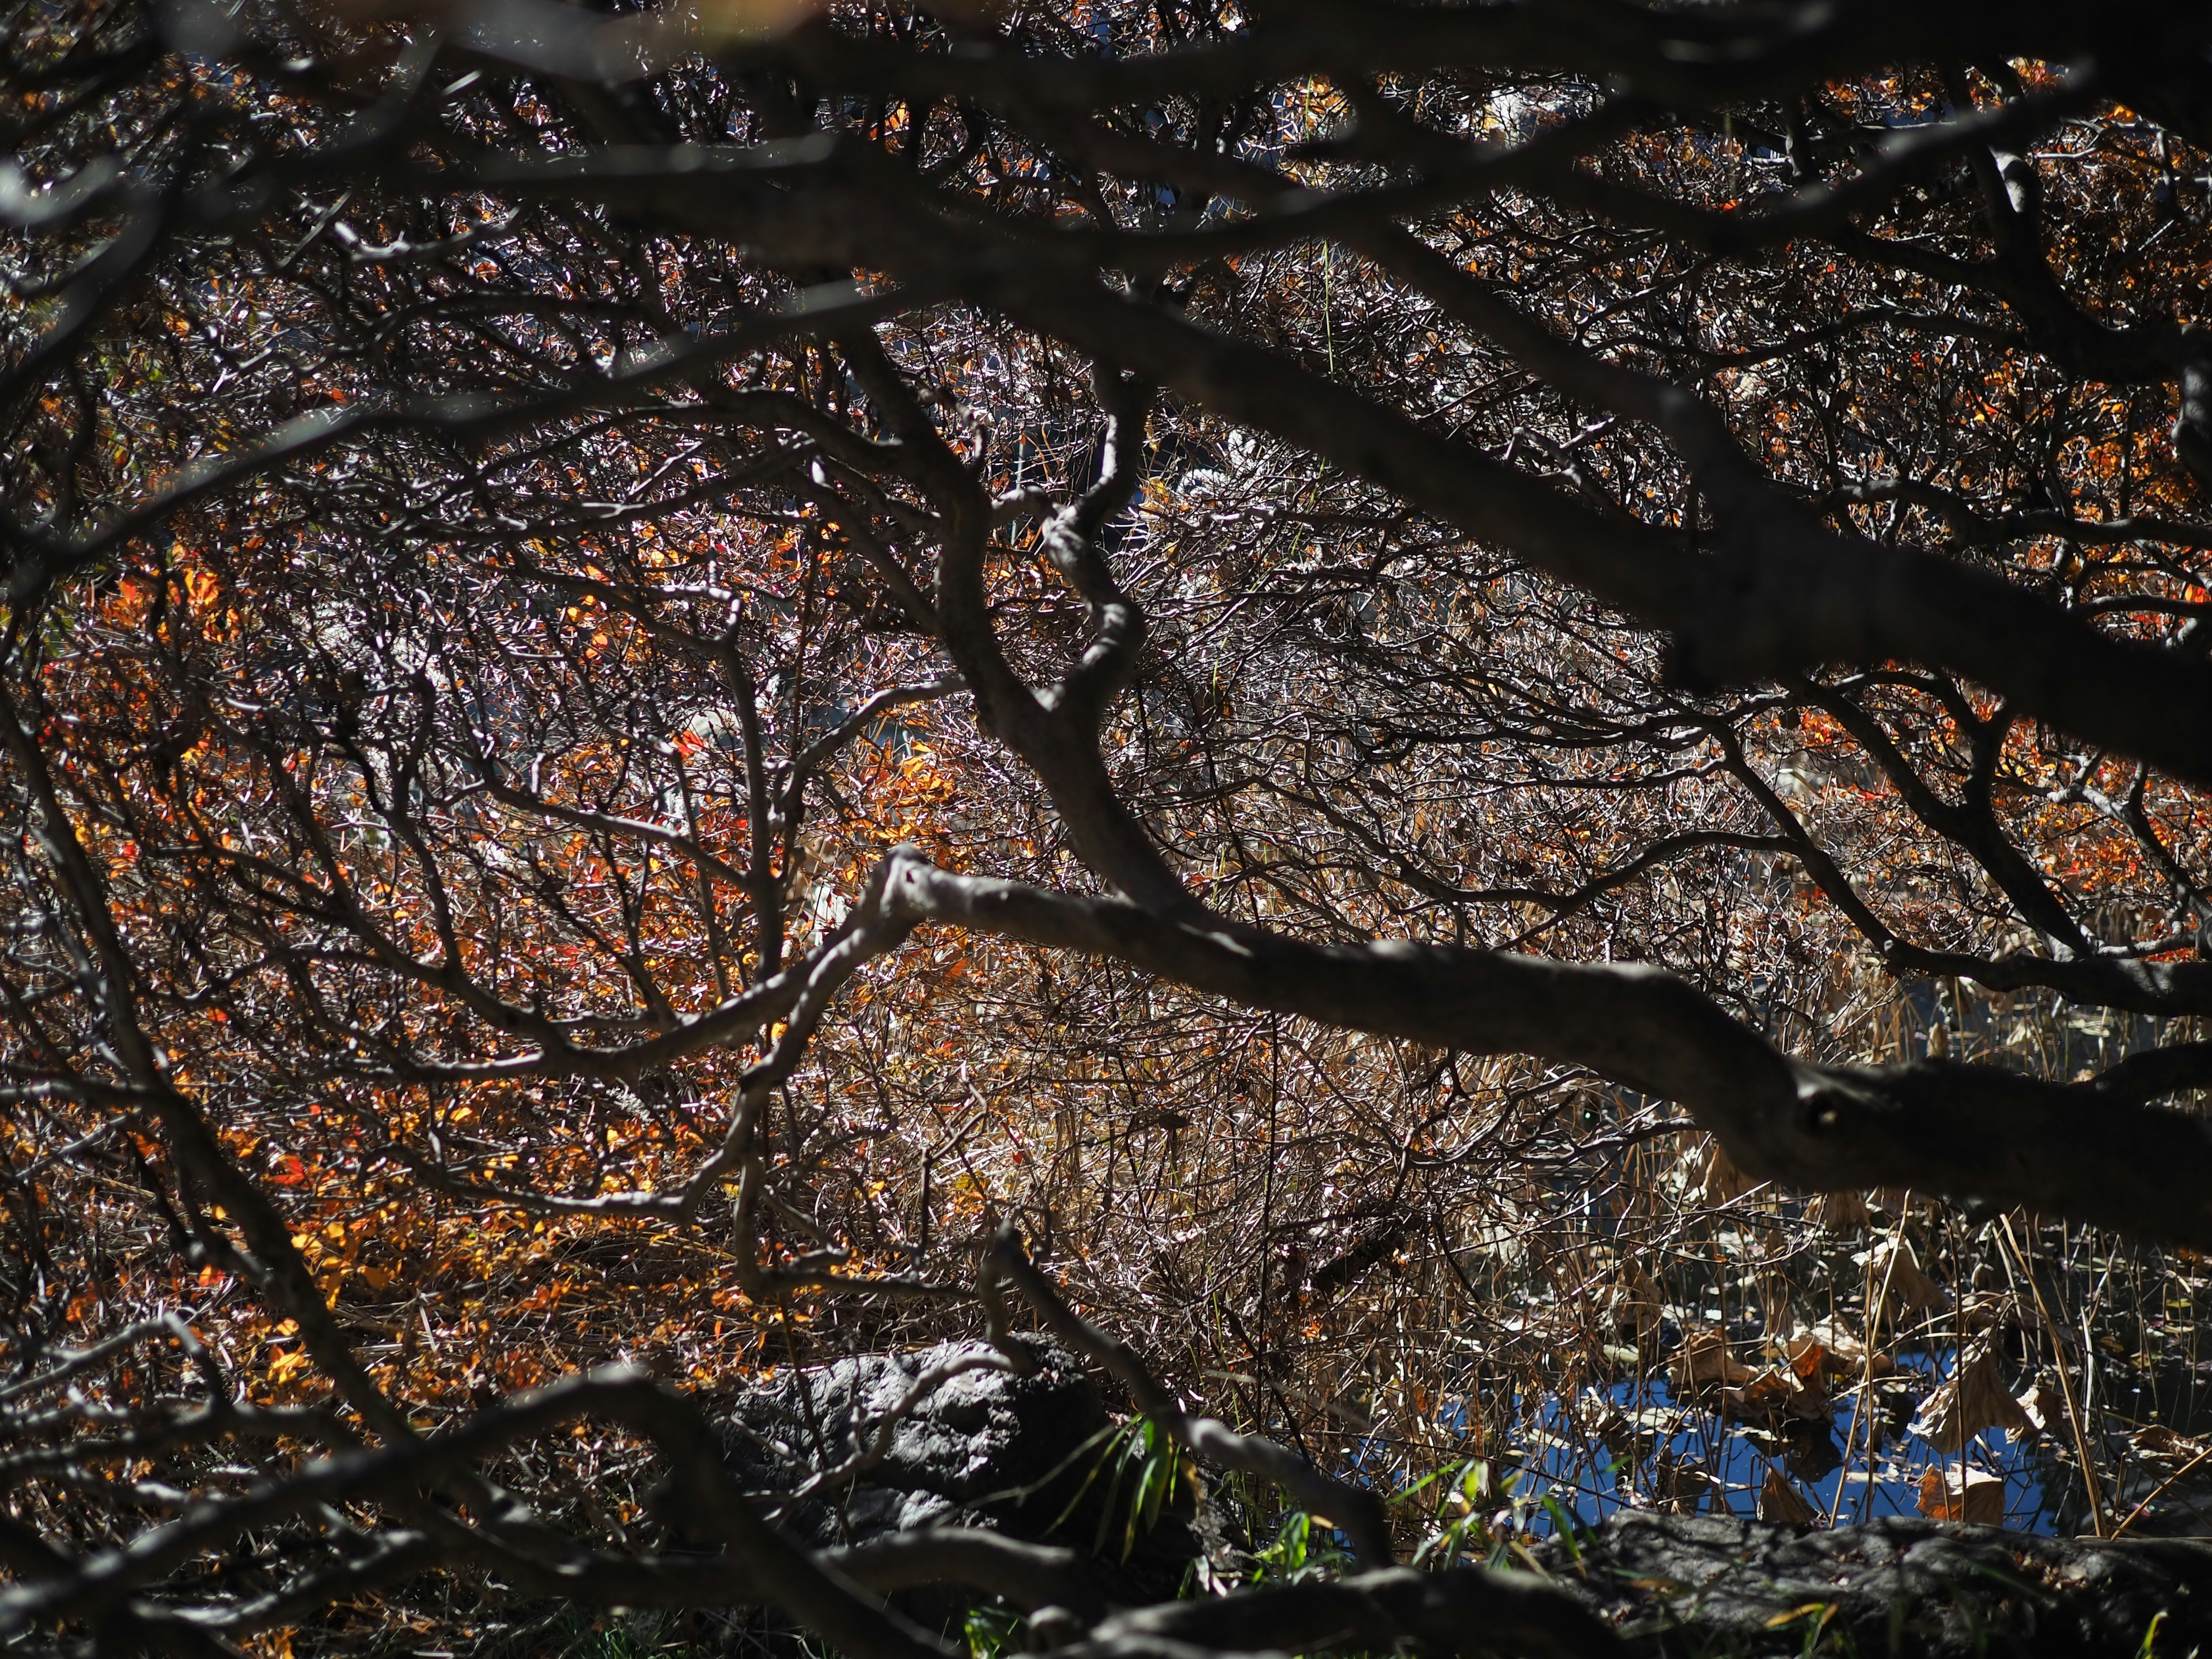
1357,685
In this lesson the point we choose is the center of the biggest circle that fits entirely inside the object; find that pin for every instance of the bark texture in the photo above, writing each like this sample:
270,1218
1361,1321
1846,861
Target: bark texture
1707,1584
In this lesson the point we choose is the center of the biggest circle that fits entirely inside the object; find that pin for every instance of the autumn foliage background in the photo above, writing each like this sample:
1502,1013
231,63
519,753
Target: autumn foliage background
434,777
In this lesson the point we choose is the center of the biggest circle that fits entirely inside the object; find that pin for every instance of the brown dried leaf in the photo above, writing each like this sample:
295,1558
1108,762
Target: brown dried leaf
1714,1177
1765,1395
1808,1400
1637,1305
2043,1406
2160,1444
1782,1391
1839,1212
1706,1362
1990,1310
1843,1354
1974,1399
1895,1273
1681,1488
1965,1496
1809,1360
1780,1501
1619,1433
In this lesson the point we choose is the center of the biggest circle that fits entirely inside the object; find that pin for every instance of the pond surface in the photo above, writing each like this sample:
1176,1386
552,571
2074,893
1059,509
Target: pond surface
1578,1455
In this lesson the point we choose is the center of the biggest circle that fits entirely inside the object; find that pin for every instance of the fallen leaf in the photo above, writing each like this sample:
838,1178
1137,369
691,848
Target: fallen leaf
1895,1274
1845,1356
1971,1497
1839,1212
2042,1405
1974,1399
1779,1391
1780,1501
1811,1360
2162,1444
1681,1488
1706,1362
1612,1427
1713,1176
1990,1310
1636,1305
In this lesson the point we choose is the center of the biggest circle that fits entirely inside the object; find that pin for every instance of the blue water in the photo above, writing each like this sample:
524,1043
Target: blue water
1560,1454
1556,1456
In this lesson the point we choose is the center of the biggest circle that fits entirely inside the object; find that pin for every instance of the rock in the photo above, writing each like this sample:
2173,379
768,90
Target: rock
1680,1585
1036,1457
978,1442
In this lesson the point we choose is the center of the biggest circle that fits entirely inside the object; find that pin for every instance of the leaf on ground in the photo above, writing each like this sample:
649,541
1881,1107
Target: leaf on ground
1712,1175
1974,1399
1839,1212
1969,1496
1780,1501
2159,1442
1706,1362
1895,1274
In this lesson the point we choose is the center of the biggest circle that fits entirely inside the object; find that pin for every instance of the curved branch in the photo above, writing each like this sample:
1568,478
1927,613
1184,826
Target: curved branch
1785,594
1464,1610
1972,1133
1029,1575
2156,1072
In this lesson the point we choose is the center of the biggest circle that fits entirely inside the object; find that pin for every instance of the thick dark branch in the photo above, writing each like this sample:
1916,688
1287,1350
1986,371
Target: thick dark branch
1466,1610
1071,541
1030,1576
2158,1071
1060,744
1784,594
1971,1132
